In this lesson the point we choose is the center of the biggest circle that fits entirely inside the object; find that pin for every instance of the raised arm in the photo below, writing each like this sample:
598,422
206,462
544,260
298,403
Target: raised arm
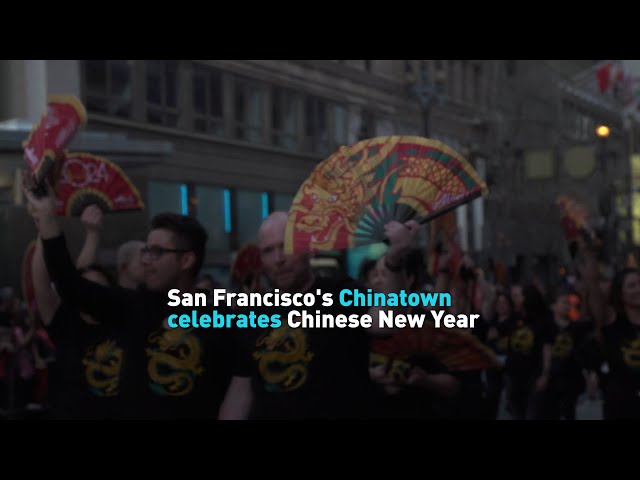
92,221
596,301
47,299
102,302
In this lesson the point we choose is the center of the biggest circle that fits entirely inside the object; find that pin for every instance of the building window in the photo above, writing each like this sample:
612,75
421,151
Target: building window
451,78
368,125
384,127
108,86
440,77
162,92
409,129
284,118
212,211
339,125
315,116
477,84
355,124
464,76
282,202
208,116
249,112
408,67
250,213
166,197
539,164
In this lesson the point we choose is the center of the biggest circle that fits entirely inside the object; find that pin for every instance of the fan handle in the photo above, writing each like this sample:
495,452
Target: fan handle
439,213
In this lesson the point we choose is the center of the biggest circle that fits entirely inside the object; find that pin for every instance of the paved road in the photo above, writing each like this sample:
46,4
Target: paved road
586,409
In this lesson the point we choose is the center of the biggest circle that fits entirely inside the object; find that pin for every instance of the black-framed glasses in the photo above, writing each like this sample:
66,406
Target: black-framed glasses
156,252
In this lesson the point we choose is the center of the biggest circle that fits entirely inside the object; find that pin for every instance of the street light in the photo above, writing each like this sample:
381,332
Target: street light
602,131
424,90
607,194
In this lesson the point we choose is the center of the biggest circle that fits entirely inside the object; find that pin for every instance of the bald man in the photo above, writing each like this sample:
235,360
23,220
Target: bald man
316,372
129,264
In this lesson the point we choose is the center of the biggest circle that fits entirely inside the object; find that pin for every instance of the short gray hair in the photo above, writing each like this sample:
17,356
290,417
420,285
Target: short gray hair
127,251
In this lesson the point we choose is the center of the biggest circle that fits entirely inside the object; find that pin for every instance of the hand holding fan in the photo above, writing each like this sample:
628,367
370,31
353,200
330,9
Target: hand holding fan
350,196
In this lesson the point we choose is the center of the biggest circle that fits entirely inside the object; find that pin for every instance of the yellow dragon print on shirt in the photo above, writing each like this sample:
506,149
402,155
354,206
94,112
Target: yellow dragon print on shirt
283,359
522,340
175,360
631,353
562,345
102,366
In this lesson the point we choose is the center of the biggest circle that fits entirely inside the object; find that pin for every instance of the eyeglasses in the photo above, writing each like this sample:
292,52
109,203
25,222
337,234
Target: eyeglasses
156,252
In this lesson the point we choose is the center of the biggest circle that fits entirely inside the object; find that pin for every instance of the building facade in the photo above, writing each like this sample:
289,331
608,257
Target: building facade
229,141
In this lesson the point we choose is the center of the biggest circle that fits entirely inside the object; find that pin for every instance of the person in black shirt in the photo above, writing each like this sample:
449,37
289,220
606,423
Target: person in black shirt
621,349
414,385
565,380
315,372
90,353
496,337
617,338
169,372
86,376
529,360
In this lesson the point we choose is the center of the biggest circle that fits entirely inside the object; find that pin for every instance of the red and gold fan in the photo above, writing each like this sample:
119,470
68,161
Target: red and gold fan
247,268
87,179
350,196
28,290
64,116
456,349
573,220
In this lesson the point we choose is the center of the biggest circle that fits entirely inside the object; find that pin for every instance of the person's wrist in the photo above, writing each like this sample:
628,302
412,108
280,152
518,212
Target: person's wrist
48,227
393,264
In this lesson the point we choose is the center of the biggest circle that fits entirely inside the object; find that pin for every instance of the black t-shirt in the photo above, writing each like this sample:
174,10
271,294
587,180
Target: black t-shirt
500,344
622,353
180,373
86,377
566,351
411,401
526,341
309,372
169,373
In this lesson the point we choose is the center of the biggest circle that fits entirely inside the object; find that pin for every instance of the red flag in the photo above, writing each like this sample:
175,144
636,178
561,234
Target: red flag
608,75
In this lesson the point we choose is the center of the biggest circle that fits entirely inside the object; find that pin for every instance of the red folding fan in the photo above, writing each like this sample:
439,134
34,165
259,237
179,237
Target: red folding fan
87,179
350,196
455,349
53,132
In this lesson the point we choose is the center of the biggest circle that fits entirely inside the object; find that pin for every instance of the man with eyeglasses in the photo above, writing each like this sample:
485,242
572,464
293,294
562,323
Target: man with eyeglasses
170,373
